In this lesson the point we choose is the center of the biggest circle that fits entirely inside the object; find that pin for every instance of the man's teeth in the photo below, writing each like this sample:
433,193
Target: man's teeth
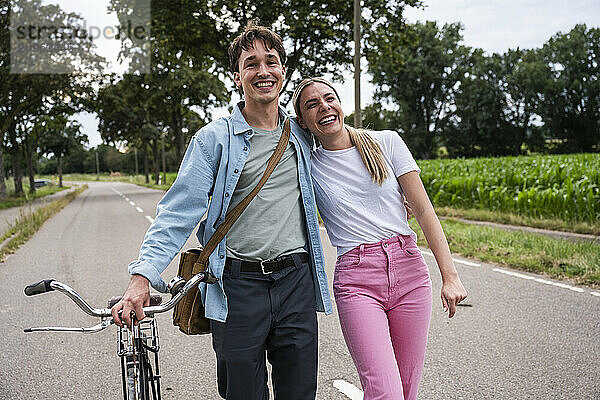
264,84
327,120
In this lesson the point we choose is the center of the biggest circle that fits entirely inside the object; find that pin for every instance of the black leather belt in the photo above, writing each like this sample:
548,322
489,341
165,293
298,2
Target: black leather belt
267,266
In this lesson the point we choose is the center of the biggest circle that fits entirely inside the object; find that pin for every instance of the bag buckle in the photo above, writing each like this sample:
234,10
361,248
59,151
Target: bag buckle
262,267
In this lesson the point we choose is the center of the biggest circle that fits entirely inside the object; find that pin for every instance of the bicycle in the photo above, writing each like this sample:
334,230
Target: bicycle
139,376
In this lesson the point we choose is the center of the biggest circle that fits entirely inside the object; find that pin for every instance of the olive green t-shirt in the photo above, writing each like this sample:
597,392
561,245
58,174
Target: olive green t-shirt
273,224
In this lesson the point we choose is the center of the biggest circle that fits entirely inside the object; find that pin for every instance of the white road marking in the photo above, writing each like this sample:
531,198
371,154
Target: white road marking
348,389
469,263
540,280
149,218
595,294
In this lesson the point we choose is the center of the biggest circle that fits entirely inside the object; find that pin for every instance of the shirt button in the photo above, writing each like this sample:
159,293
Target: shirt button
245,149
221,256
236,171
385,245
226,194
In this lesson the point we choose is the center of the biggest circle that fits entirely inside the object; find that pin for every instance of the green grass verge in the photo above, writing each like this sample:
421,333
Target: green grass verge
514,219
28,224
14,201
578,262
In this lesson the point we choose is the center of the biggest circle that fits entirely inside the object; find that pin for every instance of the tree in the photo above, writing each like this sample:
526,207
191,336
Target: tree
417,69
317,34
478,126
183,75
34,81
61,136
525,75
190,39
127,111
374,117
571,106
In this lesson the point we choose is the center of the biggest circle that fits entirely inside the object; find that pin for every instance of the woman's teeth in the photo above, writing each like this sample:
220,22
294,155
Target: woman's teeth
327,120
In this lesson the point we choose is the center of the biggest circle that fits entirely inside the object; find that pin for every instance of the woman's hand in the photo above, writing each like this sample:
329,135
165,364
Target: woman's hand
453,292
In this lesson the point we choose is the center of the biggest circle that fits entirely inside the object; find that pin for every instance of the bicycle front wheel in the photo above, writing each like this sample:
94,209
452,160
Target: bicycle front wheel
136,371
137,378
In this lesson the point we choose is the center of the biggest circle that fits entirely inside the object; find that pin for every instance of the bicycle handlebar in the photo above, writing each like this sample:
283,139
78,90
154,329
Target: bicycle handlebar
178,291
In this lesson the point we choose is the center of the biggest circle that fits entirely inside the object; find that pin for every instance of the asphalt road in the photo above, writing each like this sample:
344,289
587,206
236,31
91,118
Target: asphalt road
515,338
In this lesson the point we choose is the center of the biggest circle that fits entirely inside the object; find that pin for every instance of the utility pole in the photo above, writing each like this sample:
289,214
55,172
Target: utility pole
357,116
136,161
97,166
164,168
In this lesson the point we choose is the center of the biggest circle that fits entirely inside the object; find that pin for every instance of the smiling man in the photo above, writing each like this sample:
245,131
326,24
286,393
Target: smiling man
270,270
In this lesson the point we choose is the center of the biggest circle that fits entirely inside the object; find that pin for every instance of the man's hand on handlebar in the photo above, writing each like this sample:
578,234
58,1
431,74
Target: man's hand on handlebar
136,296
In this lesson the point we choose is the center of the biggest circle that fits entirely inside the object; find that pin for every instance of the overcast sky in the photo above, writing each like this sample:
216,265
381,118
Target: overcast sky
493,25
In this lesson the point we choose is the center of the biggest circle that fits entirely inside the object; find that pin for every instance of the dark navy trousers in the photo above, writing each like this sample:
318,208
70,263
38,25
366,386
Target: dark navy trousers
269,317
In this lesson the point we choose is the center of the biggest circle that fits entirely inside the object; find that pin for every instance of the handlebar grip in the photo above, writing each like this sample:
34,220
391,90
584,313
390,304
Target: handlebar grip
39,287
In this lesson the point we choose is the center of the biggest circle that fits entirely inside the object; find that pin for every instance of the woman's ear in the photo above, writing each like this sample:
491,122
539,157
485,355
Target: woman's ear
301,122
236,79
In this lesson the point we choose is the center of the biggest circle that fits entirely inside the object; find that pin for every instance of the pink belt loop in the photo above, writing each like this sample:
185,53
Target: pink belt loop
361,251
402,241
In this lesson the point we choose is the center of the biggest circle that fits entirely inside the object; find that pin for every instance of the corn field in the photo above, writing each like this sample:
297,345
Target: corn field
557,186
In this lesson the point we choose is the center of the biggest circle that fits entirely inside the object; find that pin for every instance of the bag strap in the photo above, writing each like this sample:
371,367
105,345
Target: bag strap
233,215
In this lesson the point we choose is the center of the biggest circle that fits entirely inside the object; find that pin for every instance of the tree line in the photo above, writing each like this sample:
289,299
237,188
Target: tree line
438,92
443,97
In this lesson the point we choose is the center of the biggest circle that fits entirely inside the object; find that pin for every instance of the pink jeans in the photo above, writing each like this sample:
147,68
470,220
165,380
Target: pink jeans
383,296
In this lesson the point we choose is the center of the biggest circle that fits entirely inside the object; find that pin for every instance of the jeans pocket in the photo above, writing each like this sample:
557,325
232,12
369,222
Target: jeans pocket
347,260
412,252
410,247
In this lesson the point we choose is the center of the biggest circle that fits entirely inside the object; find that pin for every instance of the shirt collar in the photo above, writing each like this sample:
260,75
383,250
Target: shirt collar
239,122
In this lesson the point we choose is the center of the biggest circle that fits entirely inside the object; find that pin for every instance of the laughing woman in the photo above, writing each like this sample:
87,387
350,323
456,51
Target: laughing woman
381,284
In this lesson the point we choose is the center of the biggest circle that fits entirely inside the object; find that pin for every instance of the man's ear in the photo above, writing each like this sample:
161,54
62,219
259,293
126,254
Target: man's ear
237,79
301,122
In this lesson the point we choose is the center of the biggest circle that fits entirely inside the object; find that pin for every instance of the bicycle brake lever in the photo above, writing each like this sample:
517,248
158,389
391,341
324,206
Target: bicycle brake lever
92,329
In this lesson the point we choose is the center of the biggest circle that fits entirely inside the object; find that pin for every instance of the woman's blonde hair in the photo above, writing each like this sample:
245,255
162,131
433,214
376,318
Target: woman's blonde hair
367,147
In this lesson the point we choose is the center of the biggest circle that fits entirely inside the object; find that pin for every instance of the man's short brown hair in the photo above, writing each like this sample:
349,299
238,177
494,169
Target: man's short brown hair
246,39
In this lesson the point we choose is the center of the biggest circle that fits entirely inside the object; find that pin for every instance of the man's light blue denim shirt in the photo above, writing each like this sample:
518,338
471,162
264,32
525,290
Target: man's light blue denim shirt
211,167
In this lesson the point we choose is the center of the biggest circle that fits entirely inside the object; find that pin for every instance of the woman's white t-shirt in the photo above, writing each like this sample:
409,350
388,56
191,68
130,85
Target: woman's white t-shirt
356,210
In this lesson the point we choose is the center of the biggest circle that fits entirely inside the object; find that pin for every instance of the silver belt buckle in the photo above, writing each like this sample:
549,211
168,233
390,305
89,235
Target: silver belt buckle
262,267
